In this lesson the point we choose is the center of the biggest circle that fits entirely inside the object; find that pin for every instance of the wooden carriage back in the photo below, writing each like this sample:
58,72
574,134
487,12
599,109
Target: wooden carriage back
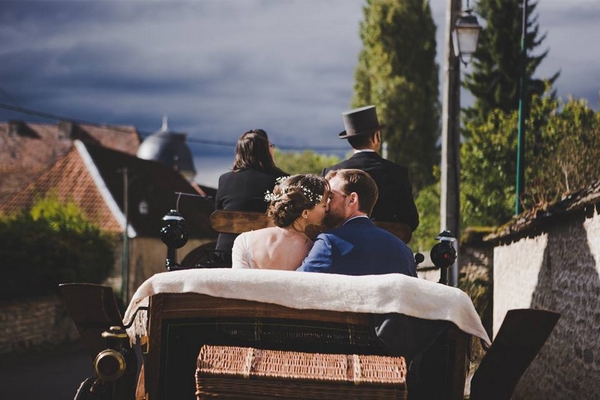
236,222
224,221
180,323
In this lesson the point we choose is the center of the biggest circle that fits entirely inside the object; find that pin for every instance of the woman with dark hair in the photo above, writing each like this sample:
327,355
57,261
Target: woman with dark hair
253,173
298,203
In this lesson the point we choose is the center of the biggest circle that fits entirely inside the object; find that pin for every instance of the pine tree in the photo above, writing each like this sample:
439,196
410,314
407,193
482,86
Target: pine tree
489,154
398,74
496,65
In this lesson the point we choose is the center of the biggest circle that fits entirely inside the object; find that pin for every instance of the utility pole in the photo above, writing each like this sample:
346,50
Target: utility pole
450,200
125,254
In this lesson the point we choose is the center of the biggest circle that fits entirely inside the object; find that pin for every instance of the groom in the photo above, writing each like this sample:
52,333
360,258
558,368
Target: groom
356,246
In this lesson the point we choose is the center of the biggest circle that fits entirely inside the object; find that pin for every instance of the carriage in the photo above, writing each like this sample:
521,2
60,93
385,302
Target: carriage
217,332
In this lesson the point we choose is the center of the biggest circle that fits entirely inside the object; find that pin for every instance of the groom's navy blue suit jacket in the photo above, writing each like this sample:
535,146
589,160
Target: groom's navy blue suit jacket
359,248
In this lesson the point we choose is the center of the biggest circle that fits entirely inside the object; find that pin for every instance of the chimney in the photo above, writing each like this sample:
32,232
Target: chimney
68,130
17,127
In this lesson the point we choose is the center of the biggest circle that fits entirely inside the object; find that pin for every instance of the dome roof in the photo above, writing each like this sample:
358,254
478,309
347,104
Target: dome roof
170,149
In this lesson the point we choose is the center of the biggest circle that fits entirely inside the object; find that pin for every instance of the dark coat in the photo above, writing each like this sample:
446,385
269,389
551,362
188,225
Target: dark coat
359,248
243,191
395,202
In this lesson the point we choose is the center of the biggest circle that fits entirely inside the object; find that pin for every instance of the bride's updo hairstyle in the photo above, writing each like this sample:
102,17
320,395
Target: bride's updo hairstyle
294,194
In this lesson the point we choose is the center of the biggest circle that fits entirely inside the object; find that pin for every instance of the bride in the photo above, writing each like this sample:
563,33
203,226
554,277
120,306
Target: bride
297,206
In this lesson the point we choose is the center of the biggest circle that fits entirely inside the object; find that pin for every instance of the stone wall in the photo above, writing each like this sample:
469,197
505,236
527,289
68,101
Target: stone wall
45,322
36,322
476,260
556,268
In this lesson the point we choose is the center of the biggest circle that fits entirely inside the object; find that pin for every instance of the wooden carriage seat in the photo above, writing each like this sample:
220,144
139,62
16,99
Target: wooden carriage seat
224,221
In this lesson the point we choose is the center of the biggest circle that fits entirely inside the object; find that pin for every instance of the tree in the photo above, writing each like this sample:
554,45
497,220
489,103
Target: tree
488,170
562,149
398,74
569,161
488,167
50,244
307,162
496,65
428,204
488,156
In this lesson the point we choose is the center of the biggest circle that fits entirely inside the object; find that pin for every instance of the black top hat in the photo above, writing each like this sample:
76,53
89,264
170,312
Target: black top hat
360,121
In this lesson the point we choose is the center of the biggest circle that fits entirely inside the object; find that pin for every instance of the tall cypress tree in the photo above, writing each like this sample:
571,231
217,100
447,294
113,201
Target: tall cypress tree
397,73
496,65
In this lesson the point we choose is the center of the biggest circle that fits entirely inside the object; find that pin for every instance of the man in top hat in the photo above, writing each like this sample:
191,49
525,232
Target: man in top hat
395,203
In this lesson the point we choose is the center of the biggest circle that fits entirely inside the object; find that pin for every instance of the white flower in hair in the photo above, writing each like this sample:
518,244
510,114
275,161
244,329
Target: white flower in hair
269,196
307,192
312,197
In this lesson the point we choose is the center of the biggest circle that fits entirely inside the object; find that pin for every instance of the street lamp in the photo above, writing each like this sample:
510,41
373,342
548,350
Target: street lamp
465,30
465,36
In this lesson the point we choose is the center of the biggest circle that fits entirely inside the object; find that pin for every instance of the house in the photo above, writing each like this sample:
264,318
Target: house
550,259
92,166
29,148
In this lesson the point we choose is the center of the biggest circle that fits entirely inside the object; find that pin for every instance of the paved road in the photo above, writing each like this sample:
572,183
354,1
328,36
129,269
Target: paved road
53,374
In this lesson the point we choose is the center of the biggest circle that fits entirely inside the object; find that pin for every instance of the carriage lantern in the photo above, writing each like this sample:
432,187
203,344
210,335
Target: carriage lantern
174,235
443,254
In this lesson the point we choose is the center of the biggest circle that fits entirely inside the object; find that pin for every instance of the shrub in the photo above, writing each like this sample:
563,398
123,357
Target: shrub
306,162
50,244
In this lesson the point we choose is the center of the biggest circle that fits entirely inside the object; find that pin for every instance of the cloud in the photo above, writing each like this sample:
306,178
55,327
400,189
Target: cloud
214,67
220,67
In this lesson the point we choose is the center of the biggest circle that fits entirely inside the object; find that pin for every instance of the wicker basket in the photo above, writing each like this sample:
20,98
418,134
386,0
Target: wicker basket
249,373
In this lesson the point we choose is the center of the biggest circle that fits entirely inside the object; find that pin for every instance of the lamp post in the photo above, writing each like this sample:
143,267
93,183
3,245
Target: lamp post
520,140
464,29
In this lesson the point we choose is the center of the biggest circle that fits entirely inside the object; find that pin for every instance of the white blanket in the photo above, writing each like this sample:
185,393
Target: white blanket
374,294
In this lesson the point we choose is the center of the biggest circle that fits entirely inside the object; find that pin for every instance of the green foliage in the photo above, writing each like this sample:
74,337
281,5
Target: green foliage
60,215
43,247
496,67
428,204
397,73
488,170
561,152
481,293
307,162
568,160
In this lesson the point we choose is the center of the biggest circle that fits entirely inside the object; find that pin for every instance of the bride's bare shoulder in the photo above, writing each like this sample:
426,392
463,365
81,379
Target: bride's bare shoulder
265,234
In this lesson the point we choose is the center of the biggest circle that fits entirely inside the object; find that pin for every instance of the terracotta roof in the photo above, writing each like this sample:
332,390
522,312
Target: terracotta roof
581,201
70,180
28,149
92,176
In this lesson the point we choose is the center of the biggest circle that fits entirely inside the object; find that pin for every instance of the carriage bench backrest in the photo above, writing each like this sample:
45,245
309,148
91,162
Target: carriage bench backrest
236,222
223,221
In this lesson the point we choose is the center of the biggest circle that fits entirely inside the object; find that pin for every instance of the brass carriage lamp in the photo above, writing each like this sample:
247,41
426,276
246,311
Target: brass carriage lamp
110,364
465,36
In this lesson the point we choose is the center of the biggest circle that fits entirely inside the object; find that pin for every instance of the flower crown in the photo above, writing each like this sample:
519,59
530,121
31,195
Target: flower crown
307,192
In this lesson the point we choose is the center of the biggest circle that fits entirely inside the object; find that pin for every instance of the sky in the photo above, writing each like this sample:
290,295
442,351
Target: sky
217,68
